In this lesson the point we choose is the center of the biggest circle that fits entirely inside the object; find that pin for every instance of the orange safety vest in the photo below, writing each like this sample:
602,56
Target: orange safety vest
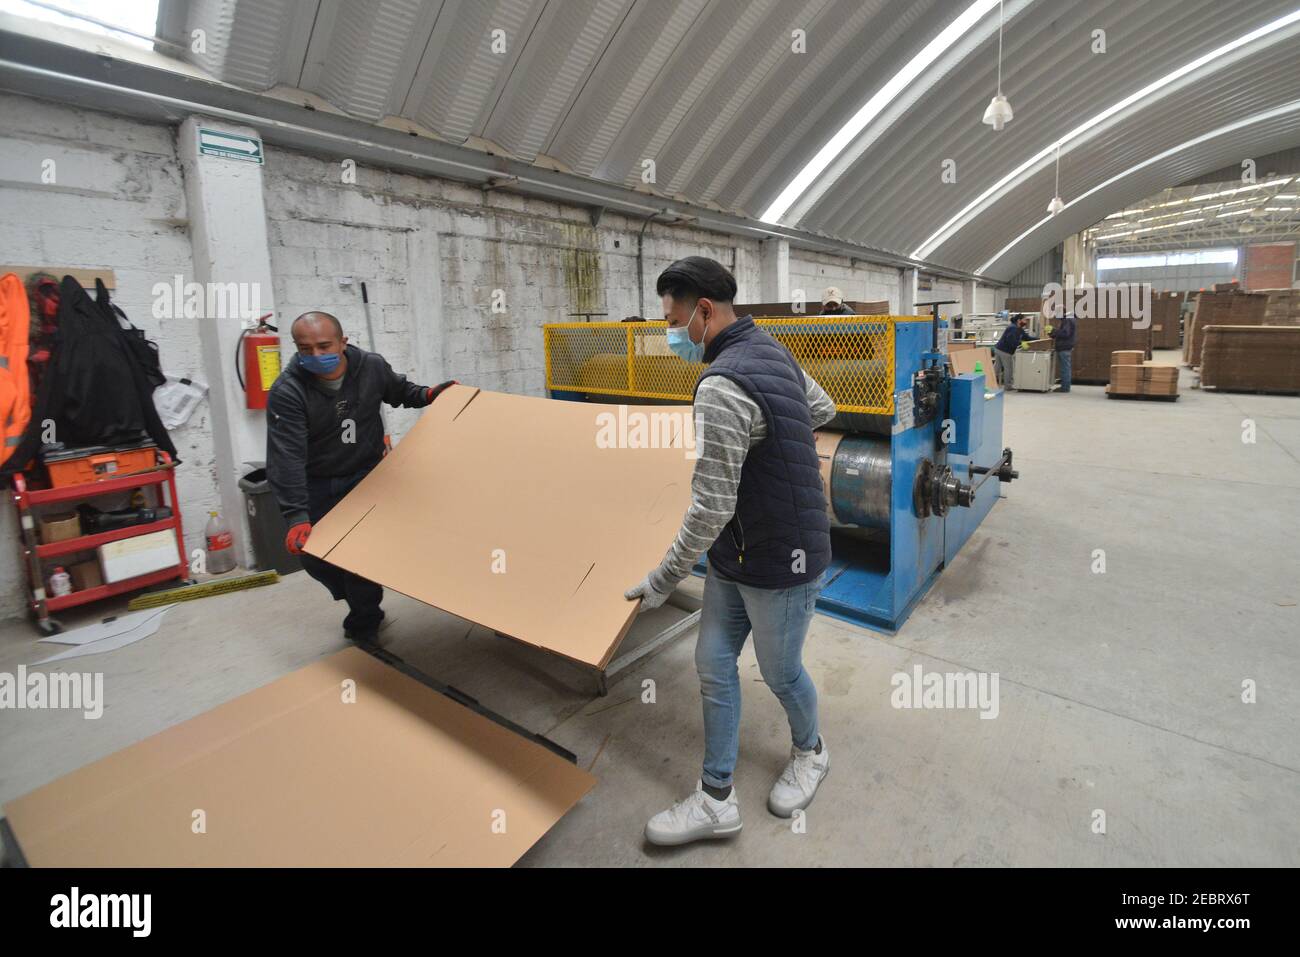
15,384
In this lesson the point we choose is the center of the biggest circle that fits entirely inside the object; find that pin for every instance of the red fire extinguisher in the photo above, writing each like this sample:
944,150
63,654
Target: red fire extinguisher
258,362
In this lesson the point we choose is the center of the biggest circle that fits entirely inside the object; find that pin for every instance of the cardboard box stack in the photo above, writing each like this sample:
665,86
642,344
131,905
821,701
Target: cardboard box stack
1221,309
1132,375
1098,338
1166,322
1283,307
1252,358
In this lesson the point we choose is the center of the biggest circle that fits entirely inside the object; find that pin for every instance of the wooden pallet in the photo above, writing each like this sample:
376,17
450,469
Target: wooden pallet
1135,395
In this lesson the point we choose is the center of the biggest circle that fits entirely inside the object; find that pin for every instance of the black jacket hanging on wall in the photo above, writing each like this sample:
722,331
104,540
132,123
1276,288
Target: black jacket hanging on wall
99,387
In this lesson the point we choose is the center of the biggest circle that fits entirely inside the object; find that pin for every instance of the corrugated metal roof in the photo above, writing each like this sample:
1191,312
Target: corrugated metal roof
716,94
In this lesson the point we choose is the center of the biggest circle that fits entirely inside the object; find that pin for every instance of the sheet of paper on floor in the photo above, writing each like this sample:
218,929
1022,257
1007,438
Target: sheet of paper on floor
142,629
104,629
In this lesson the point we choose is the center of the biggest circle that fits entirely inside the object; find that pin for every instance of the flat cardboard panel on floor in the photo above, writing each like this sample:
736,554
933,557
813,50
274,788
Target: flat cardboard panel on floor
292,775
506,511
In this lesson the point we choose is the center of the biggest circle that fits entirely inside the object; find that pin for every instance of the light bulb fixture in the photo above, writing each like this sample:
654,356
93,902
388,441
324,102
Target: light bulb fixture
999,112
1057,204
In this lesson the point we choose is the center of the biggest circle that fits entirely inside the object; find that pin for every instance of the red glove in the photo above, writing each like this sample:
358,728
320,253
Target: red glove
296,540
437,390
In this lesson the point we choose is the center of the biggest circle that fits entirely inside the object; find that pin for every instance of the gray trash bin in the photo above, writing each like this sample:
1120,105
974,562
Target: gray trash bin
266,524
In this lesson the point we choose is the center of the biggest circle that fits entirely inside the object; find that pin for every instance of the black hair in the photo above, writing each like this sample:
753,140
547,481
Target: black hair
1017,317
697,277
315,314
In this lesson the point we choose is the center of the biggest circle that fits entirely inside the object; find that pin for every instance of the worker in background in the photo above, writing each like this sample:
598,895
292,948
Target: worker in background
1064,331
758,506
833,303
1014,336
324,433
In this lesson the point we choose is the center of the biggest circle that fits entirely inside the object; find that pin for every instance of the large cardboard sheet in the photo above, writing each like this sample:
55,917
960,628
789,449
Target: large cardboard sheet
528,516
294,774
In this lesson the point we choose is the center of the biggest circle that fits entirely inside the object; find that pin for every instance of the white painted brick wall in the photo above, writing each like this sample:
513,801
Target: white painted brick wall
813,272
117,201
547,259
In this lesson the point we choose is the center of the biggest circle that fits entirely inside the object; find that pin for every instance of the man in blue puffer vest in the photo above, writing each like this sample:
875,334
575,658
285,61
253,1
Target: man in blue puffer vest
758,506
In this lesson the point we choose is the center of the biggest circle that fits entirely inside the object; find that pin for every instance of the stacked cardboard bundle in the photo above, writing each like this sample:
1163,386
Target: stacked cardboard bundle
1252,358
1221,309
1131,375
1098,338
1283,307
1166,322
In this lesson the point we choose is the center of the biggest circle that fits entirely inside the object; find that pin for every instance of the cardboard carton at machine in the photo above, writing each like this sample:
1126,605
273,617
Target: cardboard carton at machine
528,516
966,360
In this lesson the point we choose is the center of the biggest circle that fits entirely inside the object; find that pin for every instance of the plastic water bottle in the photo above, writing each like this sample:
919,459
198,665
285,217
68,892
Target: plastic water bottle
221,545
60,583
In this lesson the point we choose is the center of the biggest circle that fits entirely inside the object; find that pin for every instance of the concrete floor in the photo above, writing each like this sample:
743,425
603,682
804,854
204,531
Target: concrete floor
1119,691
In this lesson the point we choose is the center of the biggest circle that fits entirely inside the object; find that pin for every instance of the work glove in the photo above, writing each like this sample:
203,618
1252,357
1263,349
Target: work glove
1049,330
296,540
437,390
1025,346
650,597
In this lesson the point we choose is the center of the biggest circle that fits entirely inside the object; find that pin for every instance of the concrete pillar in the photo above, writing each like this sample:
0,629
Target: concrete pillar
1078,259
424,281
748,273
968,300
228,235
775,266
907,292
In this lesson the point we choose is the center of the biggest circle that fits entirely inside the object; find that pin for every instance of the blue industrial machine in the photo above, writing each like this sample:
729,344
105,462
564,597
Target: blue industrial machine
918,484
909,462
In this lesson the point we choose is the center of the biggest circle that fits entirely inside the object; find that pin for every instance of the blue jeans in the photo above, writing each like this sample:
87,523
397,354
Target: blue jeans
1063,361
779,619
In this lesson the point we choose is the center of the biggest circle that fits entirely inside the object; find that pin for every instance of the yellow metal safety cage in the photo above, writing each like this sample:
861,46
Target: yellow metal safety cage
851,357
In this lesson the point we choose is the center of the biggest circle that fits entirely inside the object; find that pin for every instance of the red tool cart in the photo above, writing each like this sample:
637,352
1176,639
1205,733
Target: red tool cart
162,477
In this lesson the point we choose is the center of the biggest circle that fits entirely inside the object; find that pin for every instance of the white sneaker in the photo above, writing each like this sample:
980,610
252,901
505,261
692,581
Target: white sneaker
798,783
698,816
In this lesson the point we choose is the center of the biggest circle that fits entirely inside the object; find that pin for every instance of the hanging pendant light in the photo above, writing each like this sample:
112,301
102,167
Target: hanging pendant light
999,112
1056,205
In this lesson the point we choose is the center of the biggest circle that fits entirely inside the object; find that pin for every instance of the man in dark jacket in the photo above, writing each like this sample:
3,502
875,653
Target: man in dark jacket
1005,350
758,506
324,434
1064,332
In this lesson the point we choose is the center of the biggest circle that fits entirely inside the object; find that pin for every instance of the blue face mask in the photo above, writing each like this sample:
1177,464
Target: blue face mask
680,341
324,364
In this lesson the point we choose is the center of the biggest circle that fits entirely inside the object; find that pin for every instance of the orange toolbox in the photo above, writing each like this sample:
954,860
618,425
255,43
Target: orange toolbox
97,463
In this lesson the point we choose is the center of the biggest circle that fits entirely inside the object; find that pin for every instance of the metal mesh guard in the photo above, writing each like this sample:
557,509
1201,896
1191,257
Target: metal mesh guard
851,357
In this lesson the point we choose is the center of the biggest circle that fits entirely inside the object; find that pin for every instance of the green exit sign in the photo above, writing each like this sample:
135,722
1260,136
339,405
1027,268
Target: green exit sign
233,146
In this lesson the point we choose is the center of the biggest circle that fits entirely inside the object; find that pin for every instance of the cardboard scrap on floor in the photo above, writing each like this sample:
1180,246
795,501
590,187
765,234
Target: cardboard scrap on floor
295,775
507,511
